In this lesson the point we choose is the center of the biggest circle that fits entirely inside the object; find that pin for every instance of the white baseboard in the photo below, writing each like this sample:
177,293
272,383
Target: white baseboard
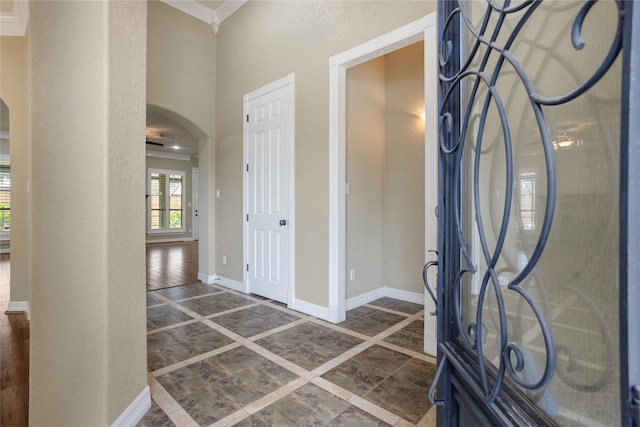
231,284
174,240
135,411
385,291
207,278
19,306
363,299
408,296
311,309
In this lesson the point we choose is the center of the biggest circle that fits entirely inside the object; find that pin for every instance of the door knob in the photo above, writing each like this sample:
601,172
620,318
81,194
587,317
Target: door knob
283,222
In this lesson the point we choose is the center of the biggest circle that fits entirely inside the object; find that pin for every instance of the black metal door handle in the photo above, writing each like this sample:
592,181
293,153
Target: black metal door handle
283,222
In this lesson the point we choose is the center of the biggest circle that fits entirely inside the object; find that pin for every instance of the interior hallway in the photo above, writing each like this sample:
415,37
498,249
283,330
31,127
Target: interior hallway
219,357
172,264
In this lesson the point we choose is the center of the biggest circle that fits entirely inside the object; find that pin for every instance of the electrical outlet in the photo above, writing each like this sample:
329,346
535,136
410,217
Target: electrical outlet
224,259
352,274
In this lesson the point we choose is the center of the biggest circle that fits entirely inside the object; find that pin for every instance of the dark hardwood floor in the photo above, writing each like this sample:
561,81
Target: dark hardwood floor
171,264
168,264
14,357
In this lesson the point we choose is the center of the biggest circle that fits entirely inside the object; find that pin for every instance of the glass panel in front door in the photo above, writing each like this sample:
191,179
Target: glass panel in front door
538,209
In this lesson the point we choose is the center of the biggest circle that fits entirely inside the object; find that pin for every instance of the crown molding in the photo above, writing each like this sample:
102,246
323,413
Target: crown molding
192,8
165,155
228,8
201,12
15,22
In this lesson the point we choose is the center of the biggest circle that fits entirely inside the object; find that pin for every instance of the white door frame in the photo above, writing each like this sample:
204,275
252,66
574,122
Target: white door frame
421,29
194,203
288,80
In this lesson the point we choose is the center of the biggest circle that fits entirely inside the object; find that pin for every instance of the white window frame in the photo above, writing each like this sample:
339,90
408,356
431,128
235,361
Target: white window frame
151,171
529,174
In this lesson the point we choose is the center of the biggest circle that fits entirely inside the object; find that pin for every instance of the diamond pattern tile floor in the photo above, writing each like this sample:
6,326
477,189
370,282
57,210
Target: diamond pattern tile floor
219,357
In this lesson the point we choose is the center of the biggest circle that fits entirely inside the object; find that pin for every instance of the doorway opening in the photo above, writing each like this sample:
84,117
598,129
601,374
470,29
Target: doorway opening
420,31
175,184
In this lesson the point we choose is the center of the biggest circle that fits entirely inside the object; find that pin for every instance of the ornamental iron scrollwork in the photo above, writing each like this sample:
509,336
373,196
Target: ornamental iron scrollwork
490,54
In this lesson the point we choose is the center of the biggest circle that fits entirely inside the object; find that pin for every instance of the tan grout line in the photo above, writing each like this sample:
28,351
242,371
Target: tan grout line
392,311
231,310
332,388
169,327
168,369
274,396
171,407
231,420
276,330
304,376
373,409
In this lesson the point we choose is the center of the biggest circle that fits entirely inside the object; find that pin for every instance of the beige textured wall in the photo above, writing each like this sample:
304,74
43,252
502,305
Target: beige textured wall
264,41
181,77
88,341
365,158
404,219
13,90
187,215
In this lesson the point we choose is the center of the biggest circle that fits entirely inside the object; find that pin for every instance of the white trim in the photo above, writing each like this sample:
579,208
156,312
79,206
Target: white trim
213,17
286,81
169,232
418,30
207,278
192,8
166,155
167,195
311,309
387,43
174,240
18,306
135,411
402,295
225,10
275,85
431,178
365,298
385,291
15,23
231,284
195,188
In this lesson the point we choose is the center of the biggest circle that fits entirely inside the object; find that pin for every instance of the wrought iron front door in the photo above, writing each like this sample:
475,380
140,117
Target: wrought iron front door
534,201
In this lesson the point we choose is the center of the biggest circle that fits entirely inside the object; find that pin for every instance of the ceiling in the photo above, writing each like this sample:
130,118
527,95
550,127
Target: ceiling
165,134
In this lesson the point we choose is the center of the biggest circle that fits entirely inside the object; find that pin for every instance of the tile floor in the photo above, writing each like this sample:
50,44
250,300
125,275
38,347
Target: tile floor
221,358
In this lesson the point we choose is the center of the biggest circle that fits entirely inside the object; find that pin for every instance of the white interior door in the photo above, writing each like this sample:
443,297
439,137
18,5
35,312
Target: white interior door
269,190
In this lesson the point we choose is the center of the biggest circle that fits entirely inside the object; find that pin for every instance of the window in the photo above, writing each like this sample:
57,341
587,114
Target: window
5,200
166,202
528,200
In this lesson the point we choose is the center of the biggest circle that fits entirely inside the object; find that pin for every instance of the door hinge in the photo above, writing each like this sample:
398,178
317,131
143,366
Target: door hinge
247,217
635,404
247,167
247,267
247,118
